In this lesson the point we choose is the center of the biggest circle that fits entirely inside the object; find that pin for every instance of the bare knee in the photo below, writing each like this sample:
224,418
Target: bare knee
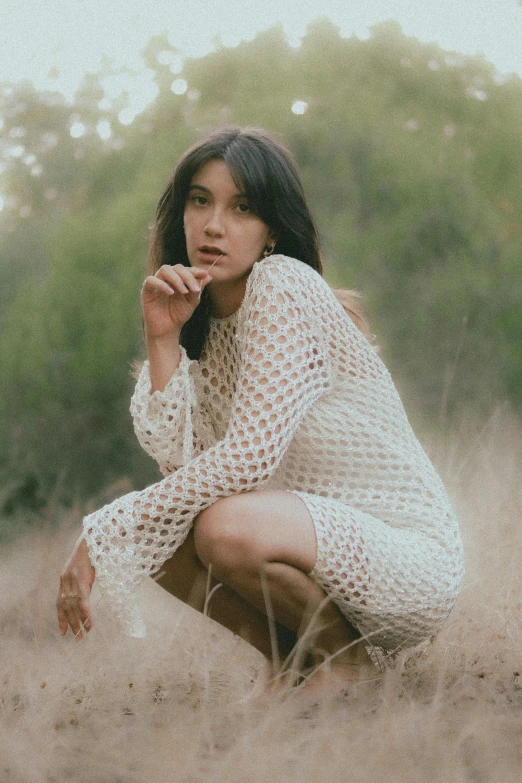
224,537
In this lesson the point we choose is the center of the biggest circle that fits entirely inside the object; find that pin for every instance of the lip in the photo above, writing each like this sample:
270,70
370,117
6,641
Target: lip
211,250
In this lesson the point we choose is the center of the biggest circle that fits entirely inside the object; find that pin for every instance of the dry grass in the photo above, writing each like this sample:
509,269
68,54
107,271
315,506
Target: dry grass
168,708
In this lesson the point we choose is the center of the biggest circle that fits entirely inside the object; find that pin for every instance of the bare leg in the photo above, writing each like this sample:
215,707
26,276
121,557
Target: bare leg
261,543
184,576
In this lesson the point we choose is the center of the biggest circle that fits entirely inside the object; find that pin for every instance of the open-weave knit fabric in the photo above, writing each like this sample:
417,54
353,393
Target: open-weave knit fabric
289,395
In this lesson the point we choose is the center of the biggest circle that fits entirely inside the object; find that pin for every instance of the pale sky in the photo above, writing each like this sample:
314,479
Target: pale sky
72,35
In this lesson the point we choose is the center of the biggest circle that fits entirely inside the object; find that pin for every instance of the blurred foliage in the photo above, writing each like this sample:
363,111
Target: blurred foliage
412,162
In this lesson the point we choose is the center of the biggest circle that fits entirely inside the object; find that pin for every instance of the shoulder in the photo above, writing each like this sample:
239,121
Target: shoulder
285,267
286,287
287,275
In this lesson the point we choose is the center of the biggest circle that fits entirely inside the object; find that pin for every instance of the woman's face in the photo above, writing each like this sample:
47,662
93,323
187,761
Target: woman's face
218,222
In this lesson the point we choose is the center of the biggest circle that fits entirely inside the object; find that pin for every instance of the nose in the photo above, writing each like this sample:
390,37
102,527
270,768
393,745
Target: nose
215,225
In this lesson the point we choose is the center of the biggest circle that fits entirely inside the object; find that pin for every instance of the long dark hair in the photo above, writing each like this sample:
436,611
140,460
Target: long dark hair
265,171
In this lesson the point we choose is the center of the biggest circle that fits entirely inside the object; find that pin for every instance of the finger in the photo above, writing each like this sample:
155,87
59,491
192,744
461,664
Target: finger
187,275
77,626
70,612
197,271
195,278
85,610
66,614
155,285
171,277
207,279
63,608
80,615
62,617
204,276
81,606
86,618
70,603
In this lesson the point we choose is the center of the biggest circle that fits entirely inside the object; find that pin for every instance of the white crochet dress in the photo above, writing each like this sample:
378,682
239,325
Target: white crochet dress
289,395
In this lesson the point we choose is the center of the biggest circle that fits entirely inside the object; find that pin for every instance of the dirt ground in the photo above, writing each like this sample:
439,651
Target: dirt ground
172,706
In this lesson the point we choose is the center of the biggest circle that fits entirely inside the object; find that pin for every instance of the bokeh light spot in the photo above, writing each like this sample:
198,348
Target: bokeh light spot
179,86
173,60
17,133
16,152
49,141
126,116
77,130
299,107
104,130
176,66
474,92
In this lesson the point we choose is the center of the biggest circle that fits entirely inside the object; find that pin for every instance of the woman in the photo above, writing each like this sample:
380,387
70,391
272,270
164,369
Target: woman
291,472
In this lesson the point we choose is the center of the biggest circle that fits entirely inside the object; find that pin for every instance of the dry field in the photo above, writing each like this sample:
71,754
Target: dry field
170,707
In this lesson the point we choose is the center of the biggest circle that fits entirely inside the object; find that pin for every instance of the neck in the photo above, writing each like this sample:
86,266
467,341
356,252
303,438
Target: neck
226,298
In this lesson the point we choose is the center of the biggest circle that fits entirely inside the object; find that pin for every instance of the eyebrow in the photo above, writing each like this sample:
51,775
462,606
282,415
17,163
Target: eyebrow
195,186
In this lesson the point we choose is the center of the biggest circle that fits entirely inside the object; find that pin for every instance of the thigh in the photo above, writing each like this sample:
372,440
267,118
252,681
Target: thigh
277,524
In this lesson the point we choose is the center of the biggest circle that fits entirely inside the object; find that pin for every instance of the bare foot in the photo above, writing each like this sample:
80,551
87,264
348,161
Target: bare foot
266,686
350,677
338,682
271,687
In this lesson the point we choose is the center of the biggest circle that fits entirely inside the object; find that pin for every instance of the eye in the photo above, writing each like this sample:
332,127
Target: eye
199,200
243,208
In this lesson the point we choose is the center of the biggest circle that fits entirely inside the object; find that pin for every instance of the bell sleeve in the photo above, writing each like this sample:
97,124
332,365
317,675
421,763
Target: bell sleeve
172,425
284,371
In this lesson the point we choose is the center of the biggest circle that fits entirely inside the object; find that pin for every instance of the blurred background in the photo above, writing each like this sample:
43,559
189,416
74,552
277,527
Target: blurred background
406,122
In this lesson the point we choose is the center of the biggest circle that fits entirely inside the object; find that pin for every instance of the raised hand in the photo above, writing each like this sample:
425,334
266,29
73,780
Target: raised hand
169,298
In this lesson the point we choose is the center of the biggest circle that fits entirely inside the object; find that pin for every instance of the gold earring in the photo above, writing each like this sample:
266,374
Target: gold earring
269,249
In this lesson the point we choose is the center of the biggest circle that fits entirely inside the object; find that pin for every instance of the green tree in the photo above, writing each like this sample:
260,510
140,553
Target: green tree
412,161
